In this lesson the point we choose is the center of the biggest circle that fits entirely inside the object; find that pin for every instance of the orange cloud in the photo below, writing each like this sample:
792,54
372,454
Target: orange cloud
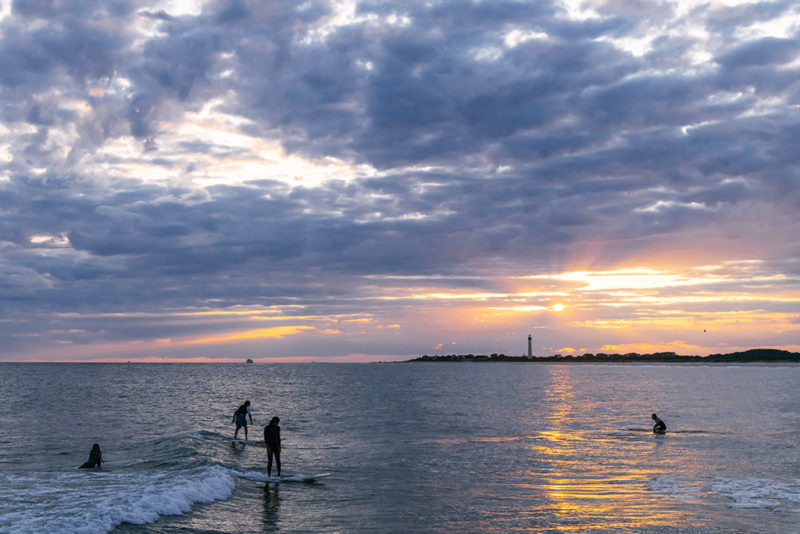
276,332
647,348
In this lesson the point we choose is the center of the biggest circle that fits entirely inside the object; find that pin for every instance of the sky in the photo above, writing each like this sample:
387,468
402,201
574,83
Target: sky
376,180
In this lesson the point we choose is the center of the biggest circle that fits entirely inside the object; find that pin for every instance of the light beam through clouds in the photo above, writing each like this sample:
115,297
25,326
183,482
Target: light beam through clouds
362,180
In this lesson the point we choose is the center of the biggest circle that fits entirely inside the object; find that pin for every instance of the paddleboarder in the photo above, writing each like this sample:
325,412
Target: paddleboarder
272,439
240,418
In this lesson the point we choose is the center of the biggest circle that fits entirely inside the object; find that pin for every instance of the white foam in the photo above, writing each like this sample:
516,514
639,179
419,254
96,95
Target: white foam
759,492
97,502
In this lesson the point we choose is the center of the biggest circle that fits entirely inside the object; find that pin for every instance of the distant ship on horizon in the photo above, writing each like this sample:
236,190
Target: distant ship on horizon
249,361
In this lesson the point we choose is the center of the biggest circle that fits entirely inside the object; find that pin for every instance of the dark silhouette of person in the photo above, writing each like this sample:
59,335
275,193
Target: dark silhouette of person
240,418
272,439
660,427
95,458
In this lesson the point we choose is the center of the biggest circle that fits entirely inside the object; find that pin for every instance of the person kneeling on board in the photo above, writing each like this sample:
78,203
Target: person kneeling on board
660,427
95,458
272,439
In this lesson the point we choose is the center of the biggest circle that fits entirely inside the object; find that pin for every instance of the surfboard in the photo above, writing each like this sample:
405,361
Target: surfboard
256,442
308,479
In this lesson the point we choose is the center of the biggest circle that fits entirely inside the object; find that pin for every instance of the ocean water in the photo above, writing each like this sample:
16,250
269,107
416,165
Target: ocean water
436,447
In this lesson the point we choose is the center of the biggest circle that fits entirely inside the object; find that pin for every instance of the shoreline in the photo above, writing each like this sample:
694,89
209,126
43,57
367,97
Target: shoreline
749,356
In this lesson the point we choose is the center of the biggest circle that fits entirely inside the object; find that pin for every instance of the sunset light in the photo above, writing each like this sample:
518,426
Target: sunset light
197,191
470,266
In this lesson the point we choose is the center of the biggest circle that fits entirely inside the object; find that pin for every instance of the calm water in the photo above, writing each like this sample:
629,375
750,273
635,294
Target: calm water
406,448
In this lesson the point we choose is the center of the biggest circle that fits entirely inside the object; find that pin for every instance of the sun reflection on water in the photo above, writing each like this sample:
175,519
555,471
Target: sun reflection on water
588,477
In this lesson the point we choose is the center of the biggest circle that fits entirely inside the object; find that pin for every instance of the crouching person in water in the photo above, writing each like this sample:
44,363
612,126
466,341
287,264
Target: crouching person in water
95,458
660,427
272,439
240,418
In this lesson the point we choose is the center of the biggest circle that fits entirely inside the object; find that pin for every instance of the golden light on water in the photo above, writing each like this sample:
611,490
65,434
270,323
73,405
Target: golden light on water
574,477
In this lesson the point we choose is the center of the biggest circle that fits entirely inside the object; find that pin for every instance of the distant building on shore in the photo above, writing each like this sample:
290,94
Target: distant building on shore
530,350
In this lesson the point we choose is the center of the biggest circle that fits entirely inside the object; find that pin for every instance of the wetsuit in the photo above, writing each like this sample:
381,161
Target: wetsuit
240,417
660,427
95,459
272,438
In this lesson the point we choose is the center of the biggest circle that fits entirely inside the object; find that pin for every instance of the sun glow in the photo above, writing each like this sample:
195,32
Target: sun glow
700,310
693,311
628,279
276,332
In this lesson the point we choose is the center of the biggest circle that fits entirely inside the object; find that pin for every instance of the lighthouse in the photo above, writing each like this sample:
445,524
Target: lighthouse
530,351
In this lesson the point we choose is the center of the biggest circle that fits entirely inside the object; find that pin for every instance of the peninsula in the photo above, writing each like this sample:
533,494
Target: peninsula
753,355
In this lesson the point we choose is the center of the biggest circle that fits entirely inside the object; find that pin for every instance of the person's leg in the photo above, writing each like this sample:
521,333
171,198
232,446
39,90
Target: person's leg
245,431
278,461
269,462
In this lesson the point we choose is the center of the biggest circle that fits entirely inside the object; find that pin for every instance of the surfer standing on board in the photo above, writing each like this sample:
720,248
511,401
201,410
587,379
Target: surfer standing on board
272,439
240,418
660,427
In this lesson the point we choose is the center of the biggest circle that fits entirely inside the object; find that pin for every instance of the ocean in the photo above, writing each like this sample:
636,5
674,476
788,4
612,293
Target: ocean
402,447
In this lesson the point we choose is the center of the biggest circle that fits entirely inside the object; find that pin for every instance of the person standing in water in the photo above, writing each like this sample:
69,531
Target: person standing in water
240,418
660,427
272,439
95,458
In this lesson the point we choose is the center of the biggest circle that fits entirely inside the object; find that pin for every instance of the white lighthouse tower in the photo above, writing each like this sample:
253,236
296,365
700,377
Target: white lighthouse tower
530,351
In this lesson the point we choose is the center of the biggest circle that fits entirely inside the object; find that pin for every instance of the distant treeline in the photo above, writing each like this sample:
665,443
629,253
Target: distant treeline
753,355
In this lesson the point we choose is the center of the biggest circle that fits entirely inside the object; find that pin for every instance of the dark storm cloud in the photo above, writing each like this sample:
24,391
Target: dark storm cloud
499,131
763,52
56,38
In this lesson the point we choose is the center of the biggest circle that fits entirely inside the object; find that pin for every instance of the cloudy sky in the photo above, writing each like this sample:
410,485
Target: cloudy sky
374,180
